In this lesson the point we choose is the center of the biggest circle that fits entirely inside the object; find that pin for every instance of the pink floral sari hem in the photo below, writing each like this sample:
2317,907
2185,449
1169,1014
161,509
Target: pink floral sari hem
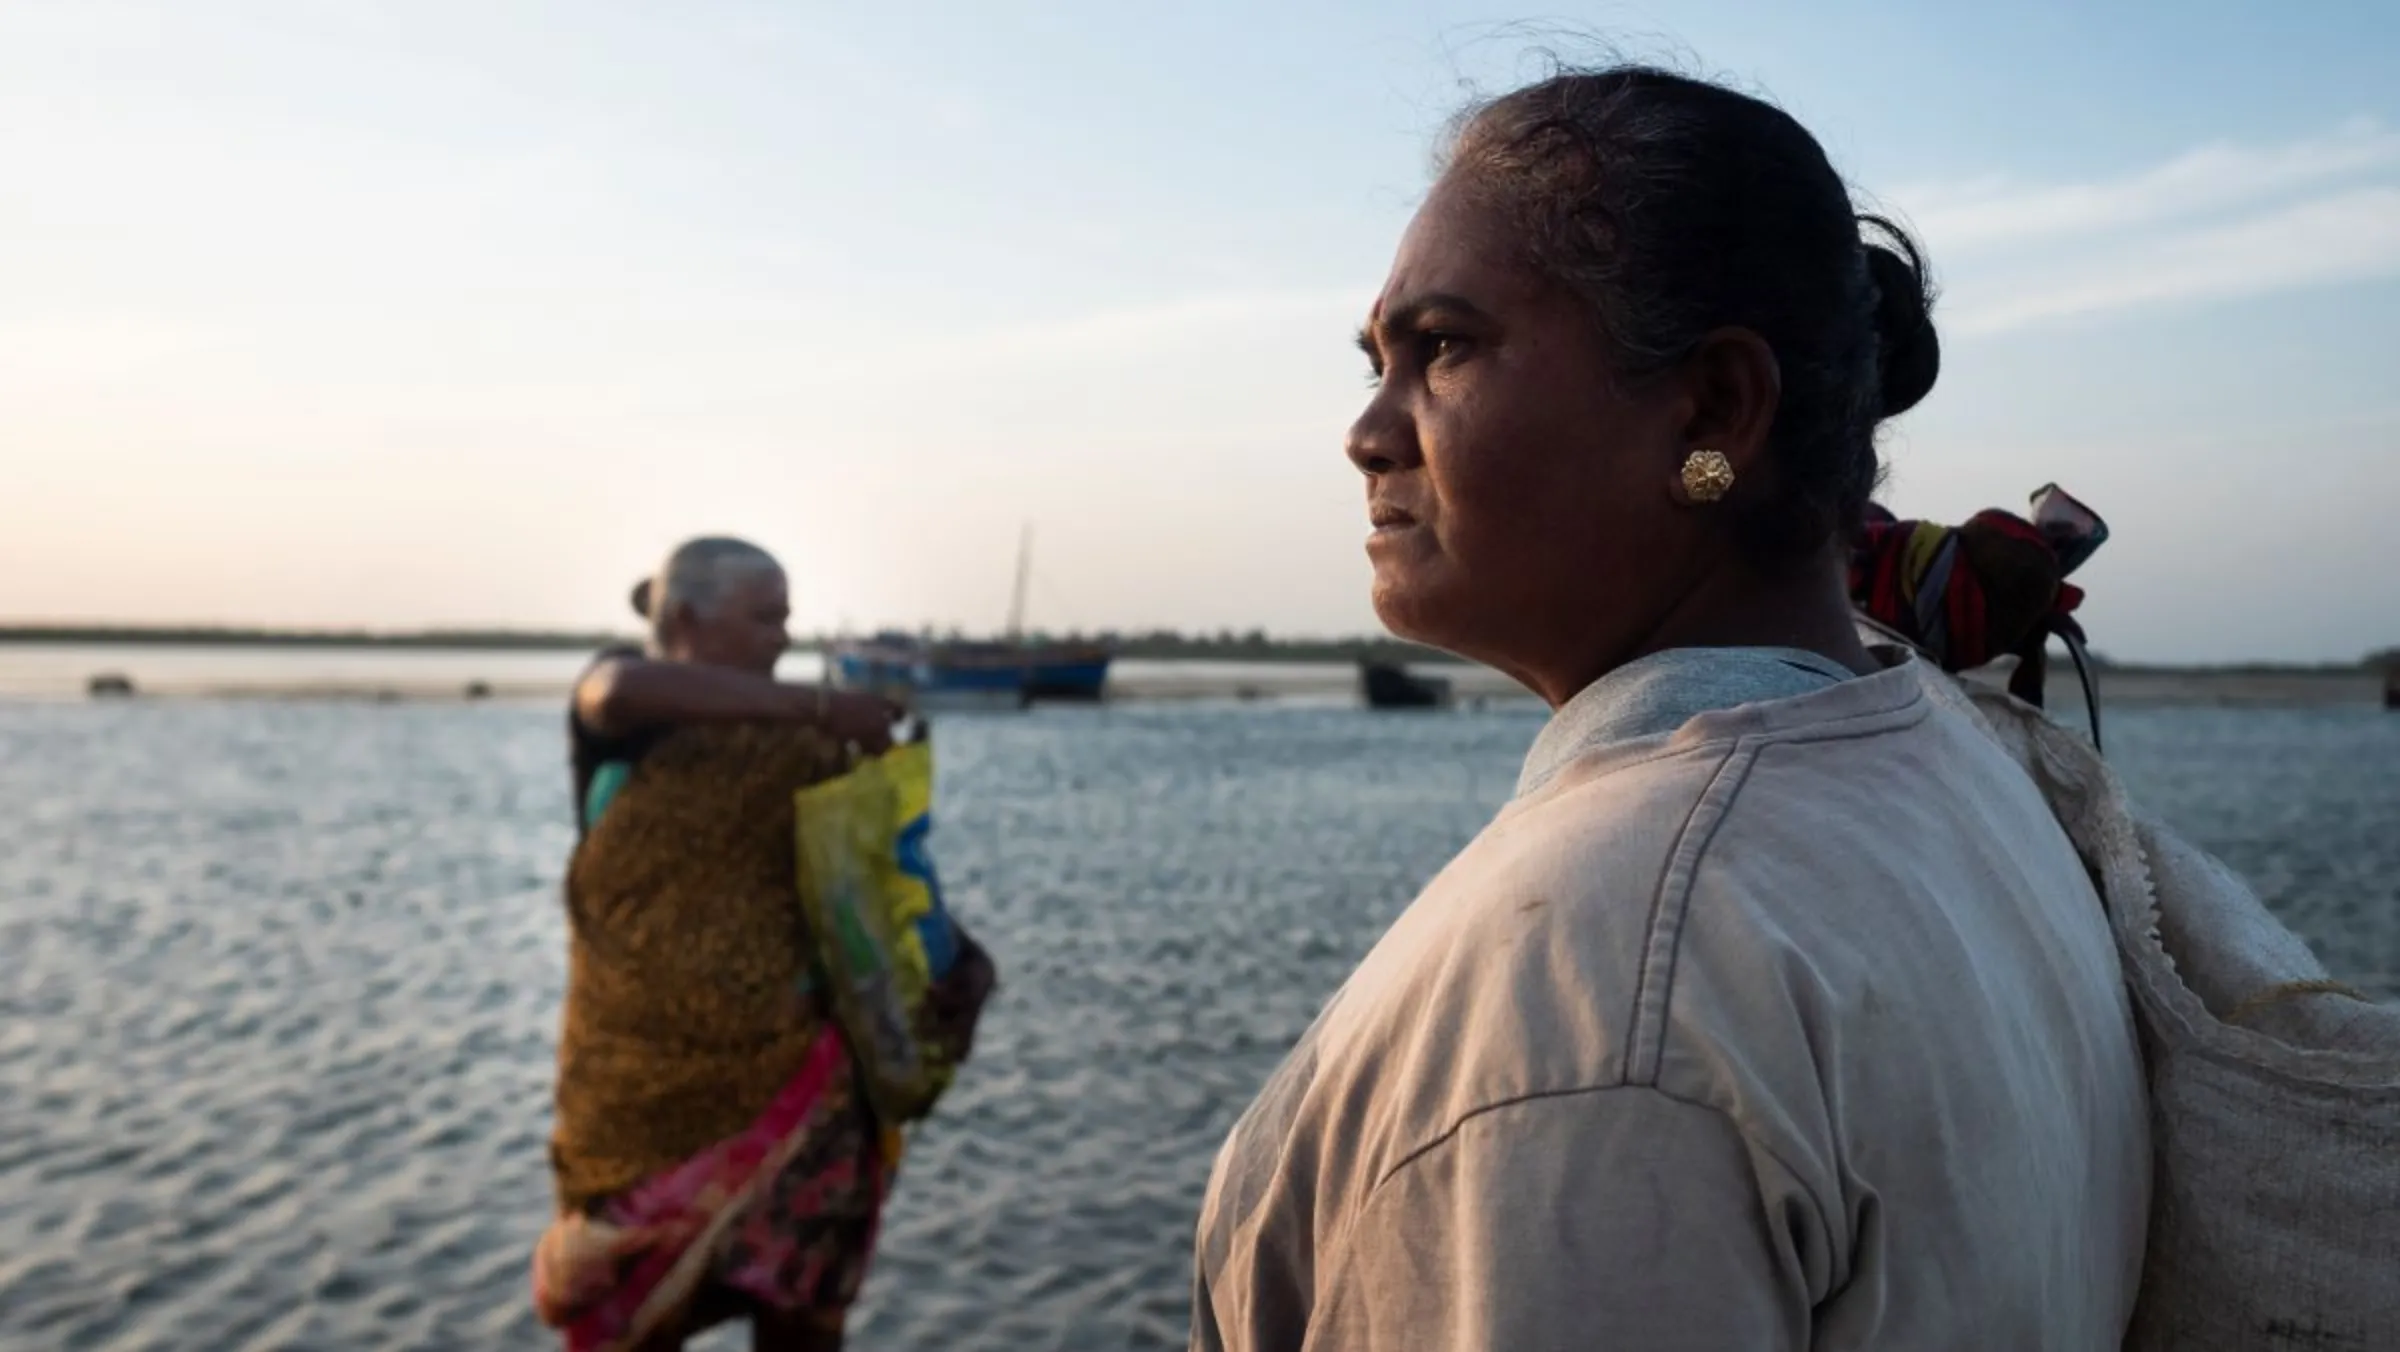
780,1213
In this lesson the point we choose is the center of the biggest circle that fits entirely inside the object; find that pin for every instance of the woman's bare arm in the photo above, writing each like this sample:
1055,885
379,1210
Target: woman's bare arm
621,695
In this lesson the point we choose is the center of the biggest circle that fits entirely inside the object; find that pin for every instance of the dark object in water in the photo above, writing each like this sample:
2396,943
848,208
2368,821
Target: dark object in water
479,690
2391,687
110,685
1388,685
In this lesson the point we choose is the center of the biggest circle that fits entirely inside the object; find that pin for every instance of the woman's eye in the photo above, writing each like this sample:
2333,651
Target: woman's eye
1435,346
1423,352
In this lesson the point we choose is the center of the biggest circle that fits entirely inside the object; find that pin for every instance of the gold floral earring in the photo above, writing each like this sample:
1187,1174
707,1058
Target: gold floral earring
1707,476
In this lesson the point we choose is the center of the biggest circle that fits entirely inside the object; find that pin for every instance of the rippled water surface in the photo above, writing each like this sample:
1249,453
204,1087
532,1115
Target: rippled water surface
281,982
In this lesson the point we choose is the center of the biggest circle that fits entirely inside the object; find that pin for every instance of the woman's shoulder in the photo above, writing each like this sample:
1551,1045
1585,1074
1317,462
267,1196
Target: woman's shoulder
1522,965
1606,913
1602,830
599,663
607,657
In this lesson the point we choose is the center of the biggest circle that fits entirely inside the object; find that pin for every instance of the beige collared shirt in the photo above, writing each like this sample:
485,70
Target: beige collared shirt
1799,1027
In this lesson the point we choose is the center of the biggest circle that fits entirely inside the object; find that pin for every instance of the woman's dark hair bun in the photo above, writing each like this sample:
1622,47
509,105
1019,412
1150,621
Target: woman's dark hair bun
1909,354
641,598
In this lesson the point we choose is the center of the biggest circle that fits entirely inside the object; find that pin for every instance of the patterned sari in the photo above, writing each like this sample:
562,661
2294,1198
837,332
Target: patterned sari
783,1214
711,1140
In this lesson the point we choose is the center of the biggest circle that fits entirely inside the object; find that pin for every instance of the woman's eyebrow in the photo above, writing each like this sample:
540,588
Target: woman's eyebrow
1411,312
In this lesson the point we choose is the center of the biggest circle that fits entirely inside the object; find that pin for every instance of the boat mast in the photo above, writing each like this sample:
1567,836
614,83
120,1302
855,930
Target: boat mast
1016,604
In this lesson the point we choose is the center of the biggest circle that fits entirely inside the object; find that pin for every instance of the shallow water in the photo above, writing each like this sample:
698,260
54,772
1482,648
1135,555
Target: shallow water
282,980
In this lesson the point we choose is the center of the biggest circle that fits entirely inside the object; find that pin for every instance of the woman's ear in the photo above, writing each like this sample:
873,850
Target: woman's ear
641,598
1734,384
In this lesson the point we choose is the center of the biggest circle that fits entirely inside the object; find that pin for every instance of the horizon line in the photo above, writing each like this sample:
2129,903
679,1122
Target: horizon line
536,639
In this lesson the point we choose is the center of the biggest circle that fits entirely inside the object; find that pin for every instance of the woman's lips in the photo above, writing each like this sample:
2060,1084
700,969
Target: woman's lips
1393,534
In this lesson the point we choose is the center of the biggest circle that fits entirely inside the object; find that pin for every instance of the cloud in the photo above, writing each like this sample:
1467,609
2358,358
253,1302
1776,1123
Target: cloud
1114,331
1066,348
2352,236
2214,223
1994,211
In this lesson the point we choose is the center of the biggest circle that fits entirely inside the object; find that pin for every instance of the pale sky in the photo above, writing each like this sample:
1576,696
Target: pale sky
332,314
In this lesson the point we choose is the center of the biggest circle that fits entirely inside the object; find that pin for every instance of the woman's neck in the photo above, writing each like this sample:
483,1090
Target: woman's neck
1807,609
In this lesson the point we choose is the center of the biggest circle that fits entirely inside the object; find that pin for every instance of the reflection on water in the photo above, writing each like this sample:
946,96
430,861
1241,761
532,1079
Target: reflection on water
283,979
54,670
61,670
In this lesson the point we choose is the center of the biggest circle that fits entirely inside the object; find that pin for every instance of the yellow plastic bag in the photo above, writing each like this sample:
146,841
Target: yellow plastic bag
874,906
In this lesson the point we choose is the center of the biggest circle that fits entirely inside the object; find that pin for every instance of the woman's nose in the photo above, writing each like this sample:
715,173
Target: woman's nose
1382,440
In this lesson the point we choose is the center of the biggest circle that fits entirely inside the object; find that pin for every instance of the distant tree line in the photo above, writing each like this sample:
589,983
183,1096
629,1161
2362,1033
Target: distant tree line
1225,645
1157,644
1255,645
2386,660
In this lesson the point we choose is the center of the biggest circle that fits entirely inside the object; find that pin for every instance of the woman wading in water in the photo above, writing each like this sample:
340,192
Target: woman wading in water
713,1157
1776,1010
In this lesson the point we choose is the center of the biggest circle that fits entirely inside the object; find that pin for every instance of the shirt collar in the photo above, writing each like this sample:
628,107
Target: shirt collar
1657,694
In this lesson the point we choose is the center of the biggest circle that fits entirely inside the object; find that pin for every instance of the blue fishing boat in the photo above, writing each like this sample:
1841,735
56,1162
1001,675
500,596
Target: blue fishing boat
1076,673
952,674
935,674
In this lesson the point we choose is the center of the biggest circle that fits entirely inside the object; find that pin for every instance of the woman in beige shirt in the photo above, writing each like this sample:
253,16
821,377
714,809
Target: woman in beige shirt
1776,1011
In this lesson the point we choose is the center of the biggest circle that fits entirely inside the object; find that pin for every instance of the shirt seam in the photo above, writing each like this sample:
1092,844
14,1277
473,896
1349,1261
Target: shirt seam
1662,948
1339,1267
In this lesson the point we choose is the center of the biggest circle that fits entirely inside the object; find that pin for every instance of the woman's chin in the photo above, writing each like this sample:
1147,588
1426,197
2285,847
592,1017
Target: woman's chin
1409,608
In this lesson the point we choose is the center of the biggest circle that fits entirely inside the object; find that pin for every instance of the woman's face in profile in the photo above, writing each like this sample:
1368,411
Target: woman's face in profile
747,629
1518,500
